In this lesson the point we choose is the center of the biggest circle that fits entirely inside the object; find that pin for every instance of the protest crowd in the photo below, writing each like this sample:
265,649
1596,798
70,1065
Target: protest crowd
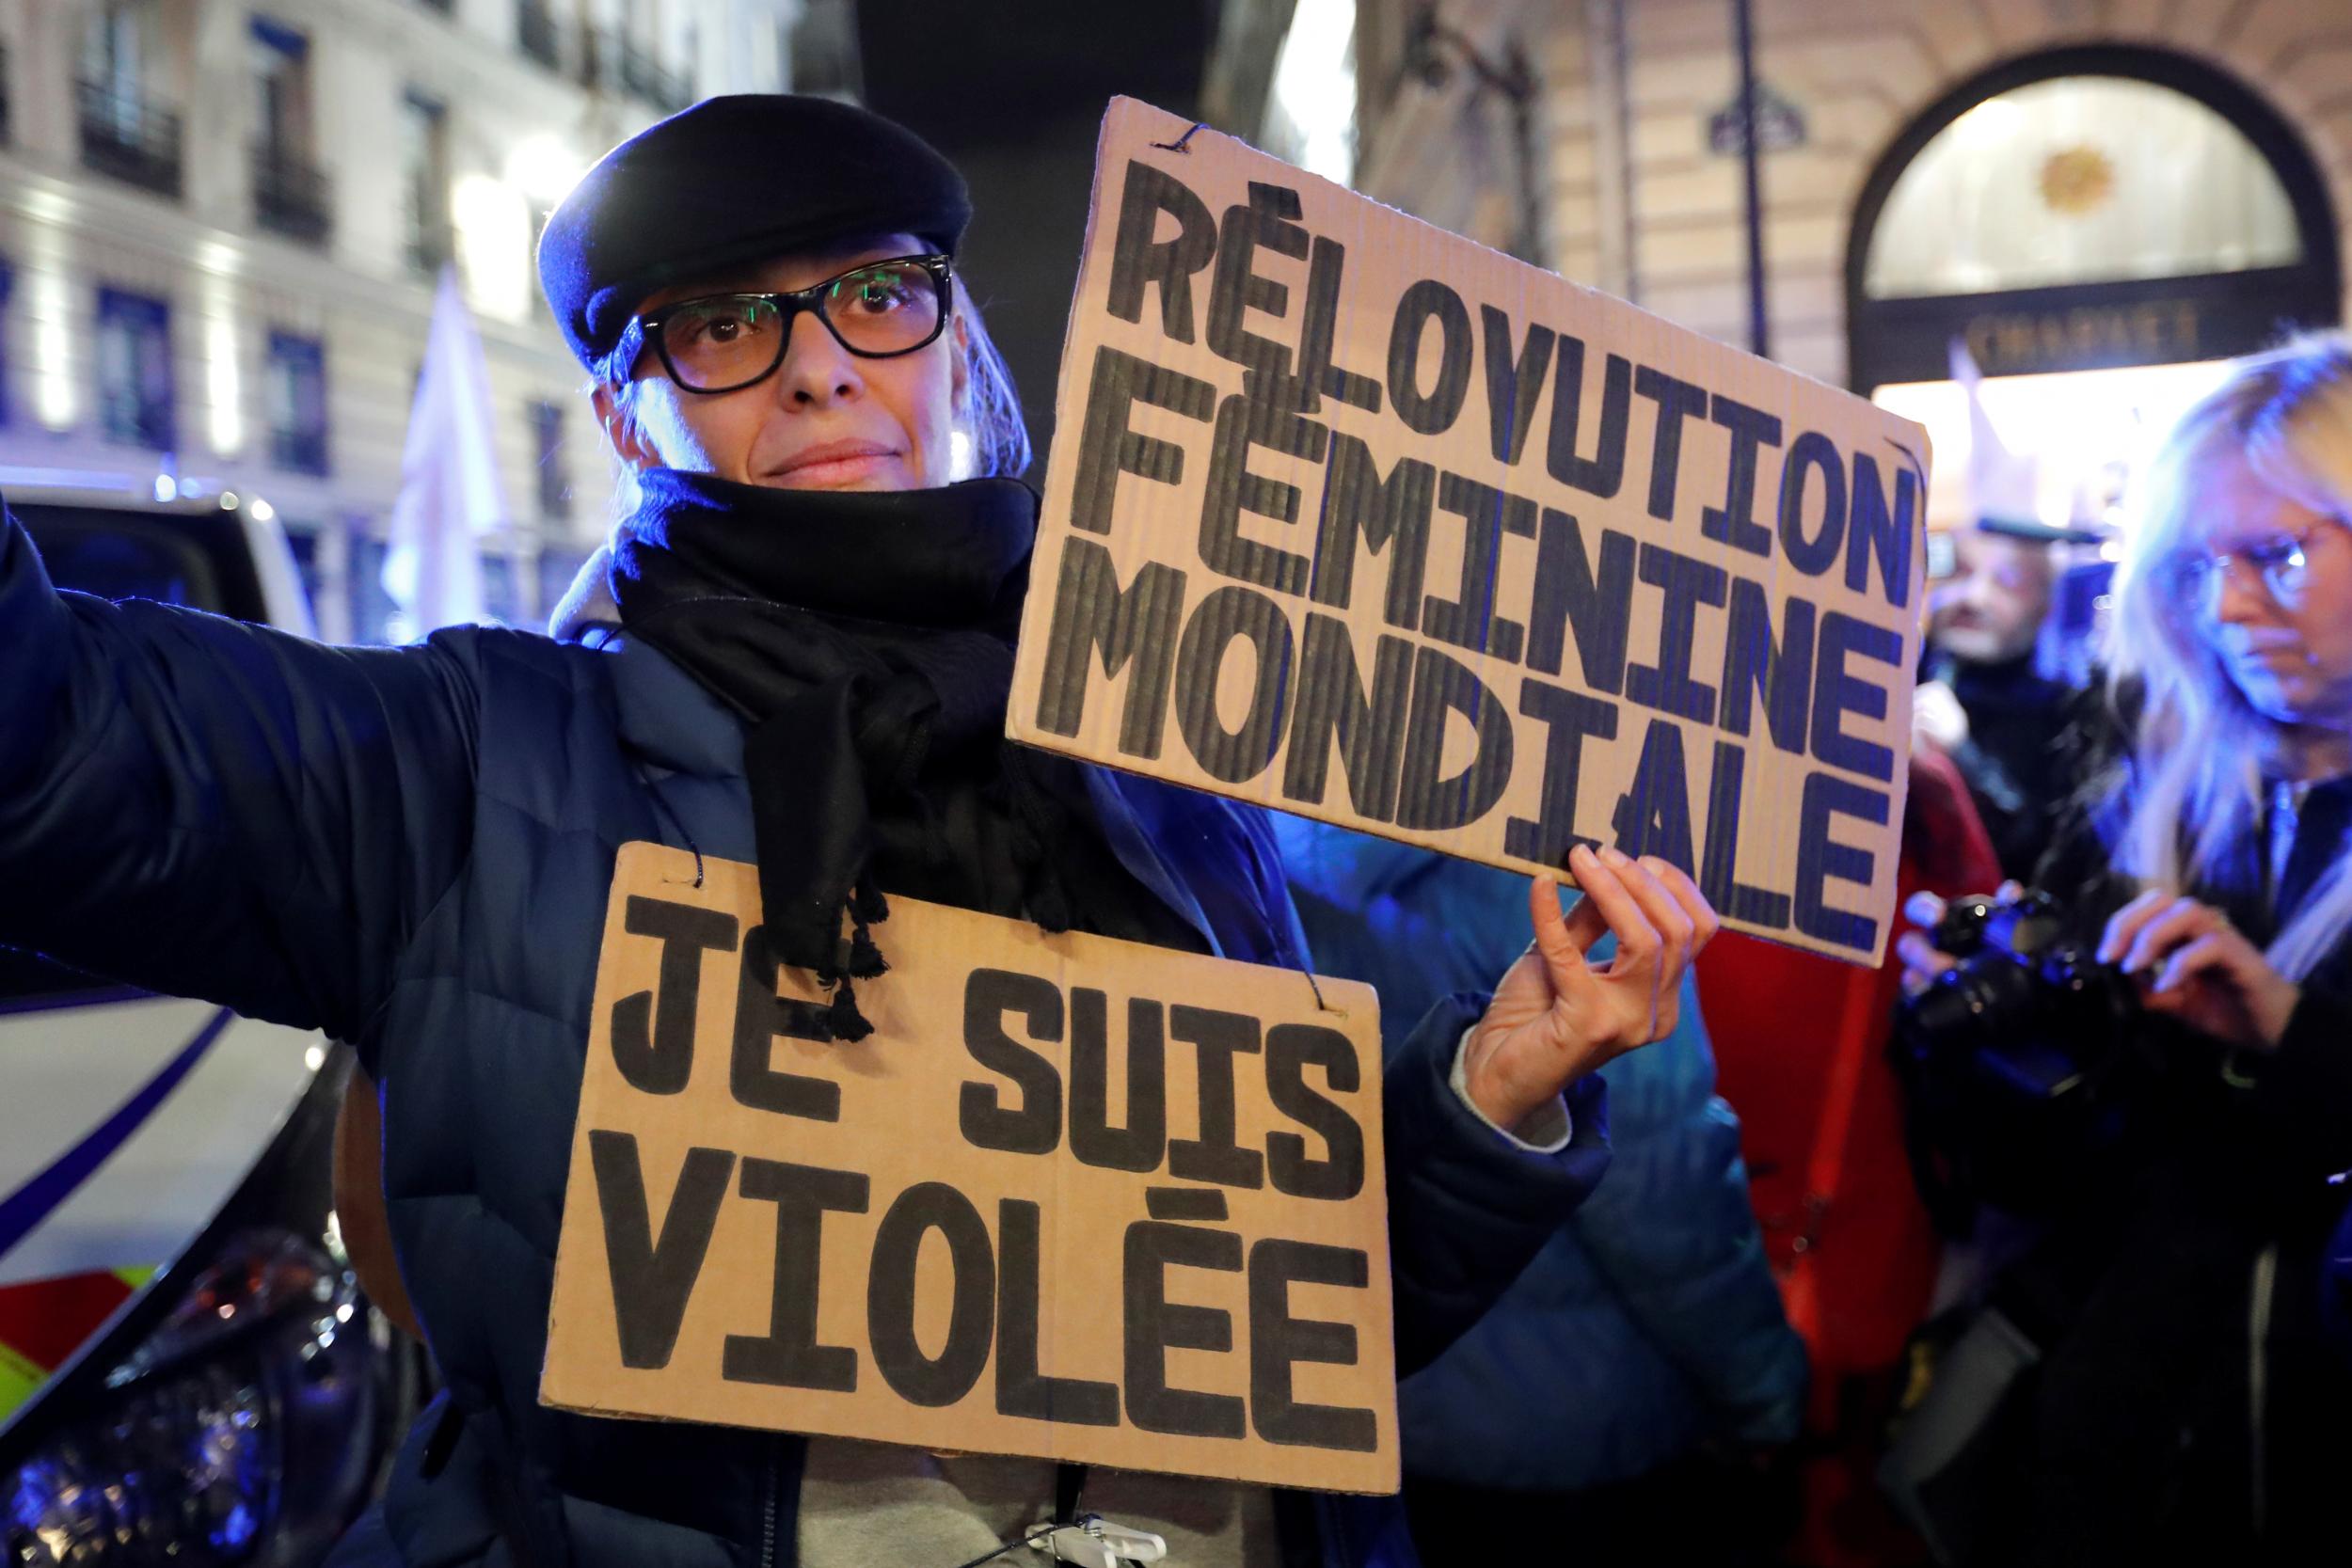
1901,1119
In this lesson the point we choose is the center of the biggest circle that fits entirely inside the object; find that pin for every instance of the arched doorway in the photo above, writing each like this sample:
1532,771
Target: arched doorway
2084,208
2099,227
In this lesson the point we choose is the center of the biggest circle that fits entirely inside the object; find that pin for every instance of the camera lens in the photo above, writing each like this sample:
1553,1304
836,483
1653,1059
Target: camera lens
2026,926
2094,997
1962,931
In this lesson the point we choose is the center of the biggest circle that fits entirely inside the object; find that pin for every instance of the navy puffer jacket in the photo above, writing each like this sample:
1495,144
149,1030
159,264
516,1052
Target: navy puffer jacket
411,848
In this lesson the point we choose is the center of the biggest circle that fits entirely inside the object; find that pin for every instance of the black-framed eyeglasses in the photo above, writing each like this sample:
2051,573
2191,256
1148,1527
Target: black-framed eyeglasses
724,342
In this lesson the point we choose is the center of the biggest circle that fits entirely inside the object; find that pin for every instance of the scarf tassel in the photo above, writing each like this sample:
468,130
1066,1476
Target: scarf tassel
842,1018
864,906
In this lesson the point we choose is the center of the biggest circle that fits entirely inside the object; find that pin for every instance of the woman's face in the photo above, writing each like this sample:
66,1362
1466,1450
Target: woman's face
2283,630
827,419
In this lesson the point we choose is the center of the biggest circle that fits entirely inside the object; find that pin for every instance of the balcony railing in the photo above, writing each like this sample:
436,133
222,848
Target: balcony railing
535,33
289,194
643,76
130,139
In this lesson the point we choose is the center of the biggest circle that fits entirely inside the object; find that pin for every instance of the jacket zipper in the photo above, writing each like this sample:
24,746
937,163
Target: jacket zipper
768,1506
2257,1384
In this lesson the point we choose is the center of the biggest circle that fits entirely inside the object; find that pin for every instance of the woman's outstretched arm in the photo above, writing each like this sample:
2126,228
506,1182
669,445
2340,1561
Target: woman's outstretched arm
211,809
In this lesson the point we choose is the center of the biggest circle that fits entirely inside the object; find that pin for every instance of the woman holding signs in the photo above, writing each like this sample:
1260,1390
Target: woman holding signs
2186,1409
797,656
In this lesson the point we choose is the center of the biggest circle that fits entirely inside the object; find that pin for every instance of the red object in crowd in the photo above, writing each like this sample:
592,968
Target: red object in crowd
1800,1054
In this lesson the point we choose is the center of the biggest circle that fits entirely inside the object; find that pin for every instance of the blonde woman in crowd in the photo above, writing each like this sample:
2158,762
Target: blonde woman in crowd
2187,1407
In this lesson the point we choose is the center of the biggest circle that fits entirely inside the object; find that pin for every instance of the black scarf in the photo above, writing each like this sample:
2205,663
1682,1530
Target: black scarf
866,640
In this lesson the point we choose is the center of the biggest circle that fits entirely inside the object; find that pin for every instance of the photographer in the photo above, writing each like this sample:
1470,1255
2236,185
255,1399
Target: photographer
2185,1407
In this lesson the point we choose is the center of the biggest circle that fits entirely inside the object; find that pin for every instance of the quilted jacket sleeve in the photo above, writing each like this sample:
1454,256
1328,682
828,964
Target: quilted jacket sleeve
1468,1208
215,810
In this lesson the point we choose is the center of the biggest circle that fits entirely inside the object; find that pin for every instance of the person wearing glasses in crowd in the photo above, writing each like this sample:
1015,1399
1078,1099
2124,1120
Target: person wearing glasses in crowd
2186,1408
796,651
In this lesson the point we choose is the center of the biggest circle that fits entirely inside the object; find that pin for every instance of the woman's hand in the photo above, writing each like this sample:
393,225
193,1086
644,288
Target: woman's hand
1554,1017
2194,965
1922,960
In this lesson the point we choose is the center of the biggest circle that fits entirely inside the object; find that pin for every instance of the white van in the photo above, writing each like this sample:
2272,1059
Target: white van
188,1371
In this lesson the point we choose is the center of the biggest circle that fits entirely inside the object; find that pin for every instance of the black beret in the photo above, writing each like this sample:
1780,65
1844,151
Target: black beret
729,181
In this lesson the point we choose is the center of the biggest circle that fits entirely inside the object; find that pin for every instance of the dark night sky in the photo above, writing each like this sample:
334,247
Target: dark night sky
1014,92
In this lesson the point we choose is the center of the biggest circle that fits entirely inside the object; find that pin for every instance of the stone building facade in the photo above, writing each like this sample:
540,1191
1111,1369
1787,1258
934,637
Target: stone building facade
1641,195
222,221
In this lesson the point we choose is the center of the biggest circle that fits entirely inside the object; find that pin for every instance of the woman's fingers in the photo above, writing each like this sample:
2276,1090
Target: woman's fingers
1615,1007
1924,909
1919,952
1561,940
1922,962
1583,925
1669,928
1705,923
1660,919
2123,925
1604,884
2223,984
2219,949
2172,924
1650,987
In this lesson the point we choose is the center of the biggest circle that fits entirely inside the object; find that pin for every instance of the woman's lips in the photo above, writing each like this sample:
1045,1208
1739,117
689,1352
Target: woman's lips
834,463
2276,658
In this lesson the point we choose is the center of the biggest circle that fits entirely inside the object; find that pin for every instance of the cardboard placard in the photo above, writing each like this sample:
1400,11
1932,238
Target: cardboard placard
1354,517
1073,1198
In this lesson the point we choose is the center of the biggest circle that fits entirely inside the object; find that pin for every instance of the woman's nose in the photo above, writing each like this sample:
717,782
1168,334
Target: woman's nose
2238,593
817,369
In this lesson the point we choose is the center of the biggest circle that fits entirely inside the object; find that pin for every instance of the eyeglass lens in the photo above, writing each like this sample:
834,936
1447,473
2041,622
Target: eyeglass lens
728,340
2278,561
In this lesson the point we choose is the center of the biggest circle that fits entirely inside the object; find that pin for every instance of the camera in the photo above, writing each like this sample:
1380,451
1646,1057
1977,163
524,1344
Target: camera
2013,1060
